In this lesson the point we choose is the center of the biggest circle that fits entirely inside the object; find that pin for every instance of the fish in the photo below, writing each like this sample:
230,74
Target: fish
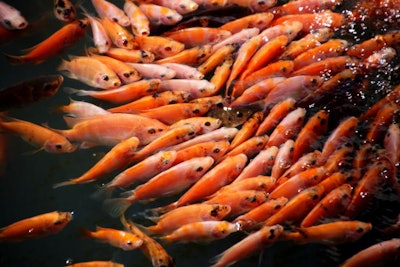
260,20
152,101
55,44
221,73
261,164
117,158
90,71
332,233
382,120
216,59
304,6
38,226
331,206
197,36
384,252
126,73
160,15
238,38
161,47
196,88
181,216
131,55
119,35
254,5
38,136
11,18
29,91
204,231
122,94
153,71
153,250
190,56
121,239
64,10
283,159
306,161
248,129
250,147
95,264
169,182
106,9
221,174
110,129
140,24
184,71
258,215
181,6
215,149
79,109
101,40
231,117
254,242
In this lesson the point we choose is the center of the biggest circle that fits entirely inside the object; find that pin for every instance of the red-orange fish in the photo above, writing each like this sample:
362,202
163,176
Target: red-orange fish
117,238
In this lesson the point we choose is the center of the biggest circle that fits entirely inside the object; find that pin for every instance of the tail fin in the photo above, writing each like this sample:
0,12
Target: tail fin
116,206
165,209
15,60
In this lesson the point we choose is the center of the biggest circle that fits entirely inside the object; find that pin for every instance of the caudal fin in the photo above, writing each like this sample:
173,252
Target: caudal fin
116,206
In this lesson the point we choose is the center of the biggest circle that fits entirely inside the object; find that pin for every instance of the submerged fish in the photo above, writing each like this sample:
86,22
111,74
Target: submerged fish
231,117
29,91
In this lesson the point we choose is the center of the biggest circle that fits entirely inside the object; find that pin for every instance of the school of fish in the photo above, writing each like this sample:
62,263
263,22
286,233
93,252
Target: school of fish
263,125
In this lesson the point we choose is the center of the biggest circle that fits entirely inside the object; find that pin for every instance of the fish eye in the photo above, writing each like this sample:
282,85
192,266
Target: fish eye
126,75
214,212
199,169
125,42
360,230
58,146
168,48
105,78
216,150
7,22
129,242
207,123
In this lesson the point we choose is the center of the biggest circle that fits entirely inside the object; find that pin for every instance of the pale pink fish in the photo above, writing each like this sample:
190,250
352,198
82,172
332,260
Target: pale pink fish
11,18
211,3
153,71
391,143
260,164
144,170
283,159
184,71
223,133
380,58
196,88
169,182
140,24
160,14
108,10
237,38
110,129
305,162
296,87
255,242
288,128
180,6
91,72
101,40
221,174
289,28
204,231
200,124
81,109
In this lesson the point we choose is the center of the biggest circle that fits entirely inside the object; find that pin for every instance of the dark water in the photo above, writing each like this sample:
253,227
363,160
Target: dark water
26,184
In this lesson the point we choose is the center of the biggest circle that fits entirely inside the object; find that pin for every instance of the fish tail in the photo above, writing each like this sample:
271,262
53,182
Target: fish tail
164,209
15,60
116,206
84,232
79,92
166,240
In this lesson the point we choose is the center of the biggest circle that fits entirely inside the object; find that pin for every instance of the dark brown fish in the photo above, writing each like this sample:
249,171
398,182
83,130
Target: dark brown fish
231,117
29,91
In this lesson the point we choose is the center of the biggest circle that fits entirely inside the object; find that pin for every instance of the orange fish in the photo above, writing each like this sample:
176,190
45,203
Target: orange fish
256,241
299,182
119,36
254,217
247,130
381,253
216,59
101,40
160,15
54,45
250,147
335,180
117,238
260,20
382,120
261,164
158,256
237,39
131,55
37,226
118,157
307,161
41,137
259,183
96,264
123,94
144,170
216,149
326,67
332,233
161,47
197,36
180,216
191,56
331,206
254,5
221,174
221,73
309,135
204,231
169,182
297,207
305,6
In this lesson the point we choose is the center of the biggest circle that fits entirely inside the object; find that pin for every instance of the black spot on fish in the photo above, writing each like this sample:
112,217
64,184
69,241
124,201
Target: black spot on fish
199,169
151,131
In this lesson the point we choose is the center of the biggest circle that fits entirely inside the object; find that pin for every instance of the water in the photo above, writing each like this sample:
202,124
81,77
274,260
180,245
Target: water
26,184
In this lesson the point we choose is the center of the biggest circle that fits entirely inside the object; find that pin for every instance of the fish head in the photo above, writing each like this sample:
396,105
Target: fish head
224,229
61,146
220,211
50,86
107,80
163,260
64,10
131,242
14,22
261,5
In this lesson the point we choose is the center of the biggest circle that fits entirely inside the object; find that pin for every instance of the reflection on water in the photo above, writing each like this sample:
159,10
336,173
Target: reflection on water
27,180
